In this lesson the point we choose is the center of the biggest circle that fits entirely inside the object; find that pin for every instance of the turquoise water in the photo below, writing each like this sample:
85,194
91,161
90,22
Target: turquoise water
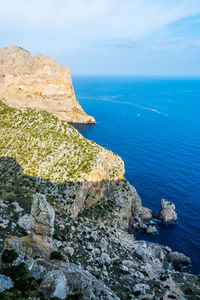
154,125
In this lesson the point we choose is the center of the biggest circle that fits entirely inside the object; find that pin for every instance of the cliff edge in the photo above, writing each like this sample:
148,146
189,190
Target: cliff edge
39,82
65,213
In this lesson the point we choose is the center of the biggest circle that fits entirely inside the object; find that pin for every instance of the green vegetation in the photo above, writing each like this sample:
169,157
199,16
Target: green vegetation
24,285
8,256
56,255
49,148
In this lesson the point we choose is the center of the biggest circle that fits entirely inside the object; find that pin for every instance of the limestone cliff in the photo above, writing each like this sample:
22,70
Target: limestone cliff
53,149
38,147
39,82
65,209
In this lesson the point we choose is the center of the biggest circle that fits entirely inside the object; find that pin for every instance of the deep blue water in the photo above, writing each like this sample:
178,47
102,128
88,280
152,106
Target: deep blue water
154,125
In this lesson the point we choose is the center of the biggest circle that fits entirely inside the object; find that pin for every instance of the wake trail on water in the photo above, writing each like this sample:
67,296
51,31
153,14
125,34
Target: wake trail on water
109,99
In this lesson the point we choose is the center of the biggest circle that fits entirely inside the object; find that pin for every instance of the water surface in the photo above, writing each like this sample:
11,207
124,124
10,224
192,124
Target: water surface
154,125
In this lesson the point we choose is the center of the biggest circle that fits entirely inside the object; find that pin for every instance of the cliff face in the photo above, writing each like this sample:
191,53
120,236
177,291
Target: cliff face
52,149
60,162
65,209
39,82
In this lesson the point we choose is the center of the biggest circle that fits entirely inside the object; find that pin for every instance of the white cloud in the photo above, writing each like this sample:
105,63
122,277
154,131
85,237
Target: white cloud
92,20
103,36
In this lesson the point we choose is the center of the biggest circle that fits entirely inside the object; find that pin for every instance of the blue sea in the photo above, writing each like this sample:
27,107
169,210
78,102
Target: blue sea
154,125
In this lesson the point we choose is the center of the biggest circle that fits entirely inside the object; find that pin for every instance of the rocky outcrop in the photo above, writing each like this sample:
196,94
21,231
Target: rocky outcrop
53,149
167,213
39,82
40,227
43,224
5,283
179,260
47,167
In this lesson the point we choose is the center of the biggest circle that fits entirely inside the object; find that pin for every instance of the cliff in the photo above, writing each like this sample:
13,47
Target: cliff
39,82
65,213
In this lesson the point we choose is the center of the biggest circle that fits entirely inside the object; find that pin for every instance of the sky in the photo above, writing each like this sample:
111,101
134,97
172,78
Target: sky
108,37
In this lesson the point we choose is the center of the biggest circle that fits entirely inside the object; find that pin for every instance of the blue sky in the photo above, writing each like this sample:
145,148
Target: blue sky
122,37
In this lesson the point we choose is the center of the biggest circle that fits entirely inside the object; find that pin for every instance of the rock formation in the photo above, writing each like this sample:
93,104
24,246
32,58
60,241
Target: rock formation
46,166
43,224
39,82
167,213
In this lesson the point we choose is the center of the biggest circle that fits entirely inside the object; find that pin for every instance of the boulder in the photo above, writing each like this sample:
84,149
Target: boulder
178,260
167,213
44,215
54,285
26,222
5,283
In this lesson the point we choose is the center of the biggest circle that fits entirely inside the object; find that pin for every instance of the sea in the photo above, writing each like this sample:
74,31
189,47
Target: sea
153,123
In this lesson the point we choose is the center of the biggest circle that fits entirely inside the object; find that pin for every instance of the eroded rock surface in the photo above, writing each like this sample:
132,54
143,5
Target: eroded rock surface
39,82
167,213
46,166
43,228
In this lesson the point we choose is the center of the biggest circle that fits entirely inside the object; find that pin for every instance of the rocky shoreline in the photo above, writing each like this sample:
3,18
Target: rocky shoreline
68,217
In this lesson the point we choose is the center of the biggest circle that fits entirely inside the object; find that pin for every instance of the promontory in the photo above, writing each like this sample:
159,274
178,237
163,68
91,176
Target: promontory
39,82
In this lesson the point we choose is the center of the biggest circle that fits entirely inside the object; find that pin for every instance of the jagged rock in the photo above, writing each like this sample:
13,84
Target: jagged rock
39,82
69,250
5,283
26,222
50,156
37,271
103,245
142,288
105,259
178,259
151,229
43,228
3,205
54,285
167,213
17,207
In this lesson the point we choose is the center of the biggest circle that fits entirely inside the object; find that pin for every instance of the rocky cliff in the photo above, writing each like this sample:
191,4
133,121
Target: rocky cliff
39,82
65,213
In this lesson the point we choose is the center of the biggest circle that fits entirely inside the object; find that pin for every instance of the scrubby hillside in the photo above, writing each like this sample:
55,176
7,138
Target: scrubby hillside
52,149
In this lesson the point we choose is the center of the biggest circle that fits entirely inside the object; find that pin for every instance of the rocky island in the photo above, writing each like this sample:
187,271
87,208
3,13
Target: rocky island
68,215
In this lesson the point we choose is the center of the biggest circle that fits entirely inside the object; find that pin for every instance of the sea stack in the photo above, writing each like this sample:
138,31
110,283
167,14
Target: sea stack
167,213
39,82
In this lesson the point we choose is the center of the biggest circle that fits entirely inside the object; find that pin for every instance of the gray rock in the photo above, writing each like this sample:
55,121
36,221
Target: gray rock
103,245
142,288
167,213
17,207
69,250
43,214
2,204
5,283
54,285
105,259
142,253
178,259
151,229
38,271
26,222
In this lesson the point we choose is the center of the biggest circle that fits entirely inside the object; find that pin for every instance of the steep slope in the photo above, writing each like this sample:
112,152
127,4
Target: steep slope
39,82
52,149
61,192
